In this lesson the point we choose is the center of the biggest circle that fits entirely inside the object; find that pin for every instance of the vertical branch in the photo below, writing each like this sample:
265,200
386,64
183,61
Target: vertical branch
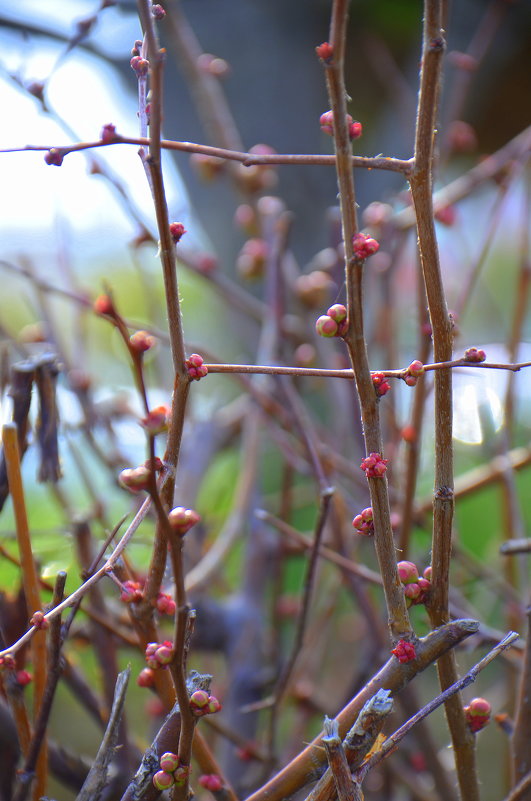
399,624
31,586
421,181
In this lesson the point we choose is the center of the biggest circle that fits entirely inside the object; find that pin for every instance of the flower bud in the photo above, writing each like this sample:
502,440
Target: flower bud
325,51
374,465
199,700
54,157
407,572
177,231
23,677
210,781
181,519
165,604
39,621
404,651
169,762
364,245
326,326
416,368
131,592
108,133
475,355
141,341
146,678
157,420
135,479
163,780
337,312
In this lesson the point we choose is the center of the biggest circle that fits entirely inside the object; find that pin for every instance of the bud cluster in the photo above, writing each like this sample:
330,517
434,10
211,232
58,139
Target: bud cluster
364,522
415,587
131,592
201,703
158,654
374,465
165,604
333,323
364,245
412,373
326,121
171,772
404,651
252,258
325,51
196,368
140,66
381,384
475,355
477,714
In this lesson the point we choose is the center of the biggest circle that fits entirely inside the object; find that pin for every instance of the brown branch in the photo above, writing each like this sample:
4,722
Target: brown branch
335,753
31,587
400,626
391,743
421,182
393,676
247,159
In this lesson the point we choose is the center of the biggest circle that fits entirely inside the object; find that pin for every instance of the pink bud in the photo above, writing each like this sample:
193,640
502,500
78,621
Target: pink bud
169,762
135,479
374,465
210,781
158,11
163,780
104,305
337,312
407,572
146,678
139,65
181,519
416,368
412,591
404,651
141,341
364,245
199,700
177,231
326,326
54,157
325,51
475,355
427,573
131,592
213,705
410,380
108,133
39,621
157,420
23,677
355,129
165,604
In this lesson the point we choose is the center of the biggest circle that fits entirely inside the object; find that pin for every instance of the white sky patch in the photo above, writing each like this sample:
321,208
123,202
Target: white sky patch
87,93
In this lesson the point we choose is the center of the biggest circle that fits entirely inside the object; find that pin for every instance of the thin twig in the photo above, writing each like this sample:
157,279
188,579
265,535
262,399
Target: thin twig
391,743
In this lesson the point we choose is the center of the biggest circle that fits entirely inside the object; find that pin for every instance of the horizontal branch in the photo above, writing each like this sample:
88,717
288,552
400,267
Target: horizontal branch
247,159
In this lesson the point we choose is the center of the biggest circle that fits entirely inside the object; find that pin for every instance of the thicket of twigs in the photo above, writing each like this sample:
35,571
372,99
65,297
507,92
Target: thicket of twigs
274,551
